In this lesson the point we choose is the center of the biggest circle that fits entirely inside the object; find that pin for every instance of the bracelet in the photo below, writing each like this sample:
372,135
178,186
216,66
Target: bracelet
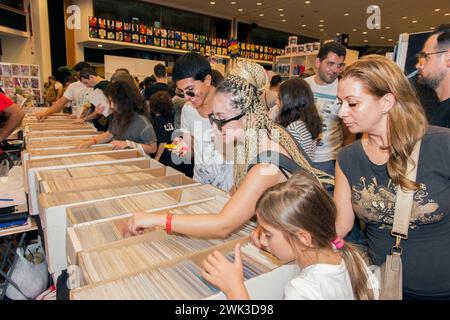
169,223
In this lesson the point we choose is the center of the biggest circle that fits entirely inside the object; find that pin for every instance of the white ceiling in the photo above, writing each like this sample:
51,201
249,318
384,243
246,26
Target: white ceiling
297,13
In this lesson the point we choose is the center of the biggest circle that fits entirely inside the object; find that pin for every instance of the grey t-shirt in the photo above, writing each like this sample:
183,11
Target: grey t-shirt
426,252
140,130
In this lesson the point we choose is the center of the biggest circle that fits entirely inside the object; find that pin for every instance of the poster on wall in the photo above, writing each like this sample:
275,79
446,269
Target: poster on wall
23,79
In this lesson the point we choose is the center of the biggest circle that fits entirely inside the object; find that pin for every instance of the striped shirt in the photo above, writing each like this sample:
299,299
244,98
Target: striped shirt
303,136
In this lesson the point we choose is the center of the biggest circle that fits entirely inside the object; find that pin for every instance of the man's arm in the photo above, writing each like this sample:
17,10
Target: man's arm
56,107
15,116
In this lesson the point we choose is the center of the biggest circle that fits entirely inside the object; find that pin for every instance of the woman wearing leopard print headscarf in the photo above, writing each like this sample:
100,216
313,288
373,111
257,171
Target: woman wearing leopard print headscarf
242,121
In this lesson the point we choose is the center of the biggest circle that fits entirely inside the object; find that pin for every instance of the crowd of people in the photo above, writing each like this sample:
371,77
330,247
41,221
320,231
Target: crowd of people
318,161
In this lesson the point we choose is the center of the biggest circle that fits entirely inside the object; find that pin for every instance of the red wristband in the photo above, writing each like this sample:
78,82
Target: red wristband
169,222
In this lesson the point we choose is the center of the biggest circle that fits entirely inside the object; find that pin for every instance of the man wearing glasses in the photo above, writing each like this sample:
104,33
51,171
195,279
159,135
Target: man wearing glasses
194,77
434,71
329,64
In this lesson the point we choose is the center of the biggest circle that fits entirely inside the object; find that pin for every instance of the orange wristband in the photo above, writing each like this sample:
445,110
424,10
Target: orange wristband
169,223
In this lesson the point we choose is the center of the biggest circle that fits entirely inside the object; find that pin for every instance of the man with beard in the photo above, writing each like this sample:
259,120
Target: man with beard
329,64
434,68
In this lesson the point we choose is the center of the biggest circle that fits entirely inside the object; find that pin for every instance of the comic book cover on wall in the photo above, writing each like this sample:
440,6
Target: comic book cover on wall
23,79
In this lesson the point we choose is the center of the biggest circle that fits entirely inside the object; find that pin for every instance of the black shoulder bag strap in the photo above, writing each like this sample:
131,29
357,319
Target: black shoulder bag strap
284,163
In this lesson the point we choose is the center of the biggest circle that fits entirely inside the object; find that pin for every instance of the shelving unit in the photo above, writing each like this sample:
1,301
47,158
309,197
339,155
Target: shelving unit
305,59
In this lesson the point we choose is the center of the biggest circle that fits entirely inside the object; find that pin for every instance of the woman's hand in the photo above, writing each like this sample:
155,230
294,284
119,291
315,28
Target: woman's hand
141,221
40,116
225,275
119,144
181,148
85,145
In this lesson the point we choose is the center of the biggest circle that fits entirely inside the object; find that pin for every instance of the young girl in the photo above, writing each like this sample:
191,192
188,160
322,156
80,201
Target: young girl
297,218
127,124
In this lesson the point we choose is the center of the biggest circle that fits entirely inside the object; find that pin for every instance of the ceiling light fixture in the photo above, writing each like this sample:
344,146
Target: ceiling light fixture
320,25
280,9
346,14
414,21
233,2
355,30
281,15
303,25
284,20
390,40
365,32
404,18
388,28
212,2
436,10
366,40
261,14
307,2
259,4
99,45
447,14
322,21
381,37
240,9
338,34
321,30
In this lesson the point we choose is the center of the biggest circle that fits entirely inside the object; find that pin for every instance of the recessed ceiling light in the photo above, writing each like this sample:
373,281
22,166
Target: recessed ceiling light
233,2
281,15
432,28
321,30
99,45
388,27
414,21
212,2
303,25
447,14
259,4
320,25
307,2
436,10
240,9
284,20
366,40
281,9
381,37
338,34
261,14
365,32
355,30
346,14
322,21
404,18
390,40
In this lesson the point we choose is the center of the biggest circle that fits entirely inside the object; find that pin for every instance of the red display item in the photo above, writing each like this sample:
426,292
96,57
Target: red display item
143,39
93,22
127,37
143,29
190,37
119,25
5,102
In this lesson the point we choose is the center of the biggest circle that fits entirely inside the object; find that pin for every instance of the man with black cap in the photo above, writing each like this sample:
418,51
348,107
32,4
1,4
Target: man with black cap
76,93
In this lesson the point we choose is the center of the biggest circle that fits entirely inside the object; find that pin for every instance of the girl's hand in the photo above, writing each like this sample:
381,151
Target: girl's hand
119,144
181,147
141,221
225,275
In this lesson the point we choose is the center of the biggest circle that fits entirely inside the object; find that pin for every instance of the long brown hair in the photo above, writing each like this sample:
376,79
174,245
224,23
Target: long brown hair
301,203
406,119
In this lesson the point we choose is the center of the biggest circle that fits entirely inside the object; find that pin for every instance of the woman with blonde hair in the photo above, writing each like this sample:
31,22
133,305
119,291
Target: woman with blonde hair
298,221
378,101
261,148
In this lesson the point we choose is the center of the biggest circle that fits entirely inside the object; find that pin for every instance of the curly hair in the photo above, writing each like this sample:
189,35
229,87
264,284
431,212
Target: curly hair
161,103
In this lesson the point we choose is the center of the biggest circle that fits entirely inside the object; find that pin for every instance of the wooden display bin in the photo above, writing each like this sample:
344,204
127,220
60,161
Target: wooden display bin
269,285
118,227
53,213
33,166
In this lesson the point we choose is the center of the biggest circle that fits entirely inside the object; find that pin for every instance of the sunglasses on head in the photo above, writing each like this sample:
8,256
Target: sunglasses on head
220,123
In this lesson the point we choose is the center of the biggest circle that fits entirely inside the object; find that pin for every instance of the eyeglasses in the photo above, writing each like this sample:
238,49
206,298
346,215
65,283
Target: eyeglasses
424,55
220,123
